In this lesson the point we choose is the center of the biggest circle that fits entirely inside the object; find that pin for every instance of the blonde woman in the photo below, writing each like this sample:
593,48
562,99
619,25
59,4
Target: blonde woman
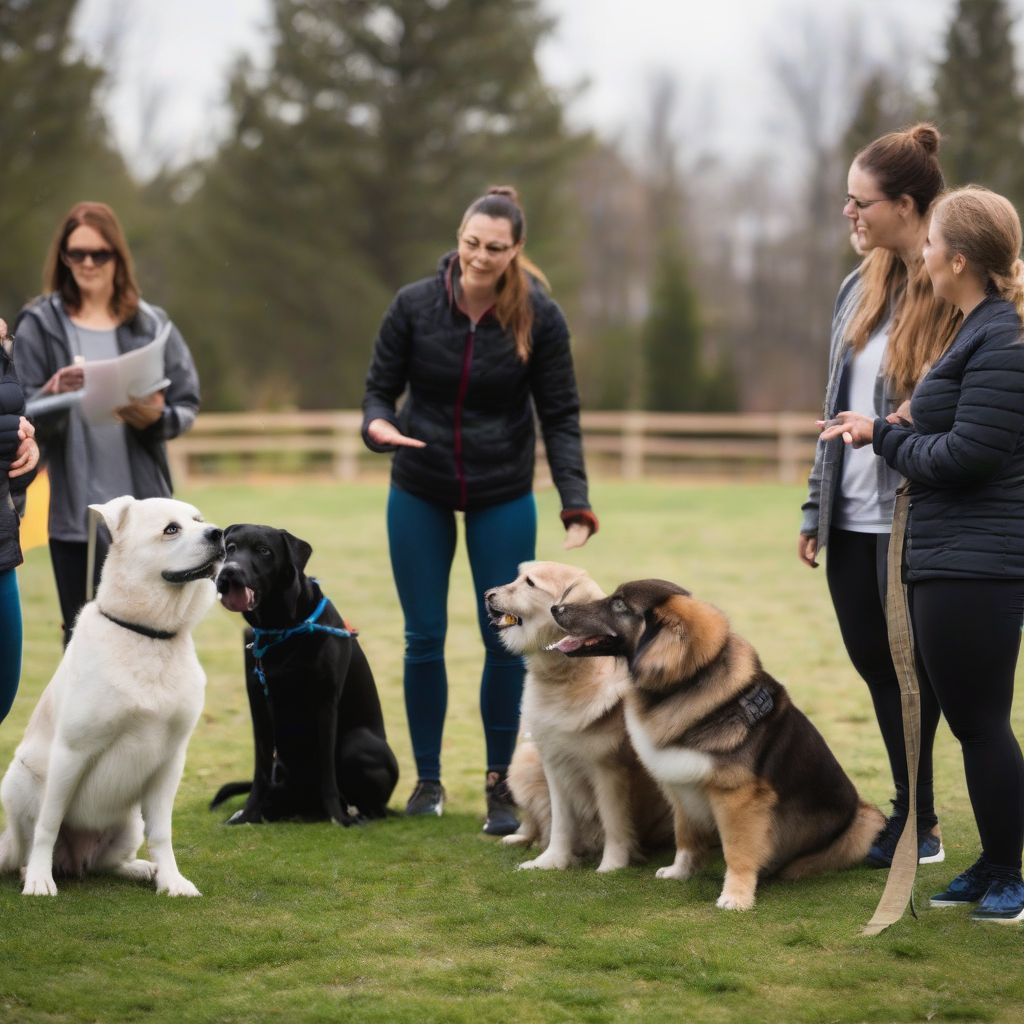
961,445
887,329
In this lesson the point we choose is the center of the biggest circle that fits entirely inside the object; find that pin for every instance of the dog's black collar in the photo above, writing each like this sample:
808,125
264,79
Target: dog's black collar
153,634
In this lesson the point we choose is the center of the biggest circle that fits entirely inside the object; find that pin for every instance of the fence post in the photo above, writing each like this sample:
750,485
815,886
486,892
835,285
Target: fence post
632,445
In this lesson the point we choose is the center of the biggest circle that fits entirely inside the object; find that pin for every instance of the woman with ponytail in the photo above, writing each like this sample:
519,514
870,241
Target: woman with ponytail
888,327
478,349
960,443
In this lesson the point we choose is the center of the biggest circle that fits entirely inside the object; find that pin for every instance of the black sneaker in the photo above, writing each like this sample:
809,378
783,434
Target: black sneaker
1003,902
968,887
501,807
427,798
929,845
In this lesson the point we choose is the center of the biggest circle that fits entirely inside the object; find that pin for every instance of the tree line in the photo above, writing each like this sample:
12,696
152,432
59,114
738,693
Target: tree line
690,283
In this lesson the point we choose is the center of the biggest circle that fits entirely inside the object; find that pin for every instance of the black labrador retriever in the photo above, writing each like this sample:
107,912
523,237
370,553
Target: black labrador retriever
321,750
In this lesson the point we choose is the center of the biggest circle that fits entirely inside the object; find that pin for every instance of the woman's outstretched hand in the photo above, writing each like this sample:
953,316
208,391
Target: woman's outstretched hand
854,428
576,535
380,431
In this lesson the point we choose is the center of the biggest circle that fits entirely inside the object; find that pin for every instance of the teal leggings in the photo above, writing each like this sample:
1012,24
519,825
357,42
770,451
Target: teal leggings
421,537
10,640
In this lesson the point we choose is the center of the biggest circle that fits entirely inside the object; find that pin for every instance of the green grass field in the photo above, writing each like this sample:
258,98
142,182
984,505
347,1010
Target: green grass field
415,920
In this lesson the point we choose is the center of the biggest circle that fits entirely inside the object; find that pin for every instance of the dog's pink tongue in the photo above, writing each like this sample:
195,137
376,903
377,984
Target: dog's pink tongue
237,599
567,644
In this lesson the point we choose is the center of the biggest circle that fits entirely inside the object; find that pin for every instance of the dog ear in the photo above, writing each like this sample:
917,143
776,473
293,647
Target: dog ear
298,550
113,512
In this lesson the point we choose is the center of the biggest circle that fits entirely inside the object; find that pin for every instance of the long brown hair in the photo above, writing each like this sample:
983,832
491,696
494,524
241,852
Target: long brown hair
57,276
985,228
514,307
903,163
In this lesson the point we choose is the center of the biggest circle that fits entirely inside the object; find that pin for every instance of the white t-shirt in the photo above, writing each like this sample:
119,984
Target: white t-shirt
857,506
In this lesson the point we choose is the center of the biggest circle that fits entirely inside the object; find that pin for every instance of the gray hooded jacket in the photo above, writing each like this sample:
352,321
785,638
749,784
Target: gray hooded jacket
43,348
826,473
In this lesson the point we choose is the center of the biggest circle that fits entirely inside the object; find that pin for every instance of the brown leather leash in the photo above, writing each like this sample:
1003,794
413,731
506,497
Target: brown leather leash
899,886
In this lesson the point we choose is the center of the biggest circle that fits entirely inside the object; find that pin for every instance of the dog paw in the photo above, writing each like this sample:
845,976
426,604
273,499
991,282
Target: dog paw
244,817
516,840
546,863
137,870
178,886
39,884
728,901
609,864
680,869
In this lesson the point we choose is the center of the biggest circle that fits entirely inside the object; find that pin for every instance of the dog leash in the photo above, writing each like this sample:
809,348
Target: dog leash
899,886
265,639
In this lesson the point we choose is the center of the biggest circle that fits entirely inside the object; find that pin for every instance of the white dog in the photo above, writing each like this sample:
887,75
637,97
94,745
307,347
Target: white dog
103,753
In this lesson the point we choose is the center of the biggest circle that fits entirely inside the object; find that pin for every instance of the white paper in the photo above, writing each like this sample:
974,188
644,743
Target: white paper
113,383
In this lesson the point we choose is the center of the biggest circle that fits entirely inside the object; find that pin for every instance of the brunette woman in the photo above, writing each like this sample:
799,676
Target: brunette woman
480,347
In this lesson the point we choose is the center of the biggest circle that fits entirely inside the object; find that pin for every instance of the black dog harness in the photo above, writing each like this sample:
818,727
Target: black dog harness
265,639
153,634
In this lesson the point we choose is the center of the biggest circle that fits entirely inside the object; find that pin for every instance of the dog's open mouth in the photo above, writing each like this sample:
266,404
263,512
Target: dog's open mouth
206,571
237,597
502,620
582,644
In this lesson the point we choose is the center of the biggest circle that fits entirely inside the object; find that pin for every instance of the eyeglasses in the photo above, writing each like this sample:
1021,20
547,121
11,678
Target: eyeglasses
863,204
99,257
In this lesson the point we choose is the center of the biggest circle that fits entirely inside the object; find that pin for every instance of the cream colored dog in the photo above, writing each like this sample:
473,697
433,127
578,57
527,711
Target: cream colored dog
575,778
104,750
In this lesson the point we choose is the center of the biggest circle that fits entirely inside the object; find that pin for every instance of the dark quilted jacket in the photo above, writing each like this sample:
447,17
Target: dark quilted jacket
472,400
12,404
964,455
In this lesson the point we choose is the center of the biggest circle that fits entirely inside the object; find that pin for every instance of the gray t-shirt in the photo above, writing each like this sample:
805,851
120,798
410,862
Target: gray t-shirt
102,458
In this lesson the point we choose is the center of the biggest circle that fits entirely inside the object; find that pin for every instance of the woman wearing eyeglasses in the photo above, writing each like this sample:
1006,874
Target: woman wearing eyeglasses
887,329
94,311
480,347
18,458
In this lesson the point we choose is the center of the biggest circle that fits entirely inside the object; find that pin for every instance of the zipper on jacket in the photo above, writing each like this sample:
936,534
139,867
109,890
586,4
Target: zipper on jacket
467,362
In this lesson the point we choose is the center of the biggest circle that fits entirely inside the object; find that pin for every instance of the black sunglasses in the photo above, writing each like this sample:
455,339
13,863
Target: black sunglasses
98,256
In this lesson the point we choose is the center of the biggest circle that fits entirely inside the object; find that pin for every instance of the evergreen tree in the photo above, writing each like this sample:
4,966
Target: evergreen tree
672,333
348,169
54,147
979,107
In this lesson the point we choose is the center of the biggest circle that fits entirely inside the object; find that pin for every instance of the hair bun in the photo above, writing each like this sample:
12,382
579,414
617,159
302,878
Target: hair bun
926,135
504,190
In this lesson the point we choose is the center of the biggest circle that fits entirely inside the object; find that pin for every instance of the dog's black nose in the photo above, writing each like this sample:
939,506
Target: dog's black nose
556,608
214,535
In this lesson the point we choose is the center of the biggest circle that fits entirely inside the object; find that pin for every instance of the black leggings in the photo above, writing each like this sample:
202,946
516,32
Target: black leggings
69,559
967,635
856,572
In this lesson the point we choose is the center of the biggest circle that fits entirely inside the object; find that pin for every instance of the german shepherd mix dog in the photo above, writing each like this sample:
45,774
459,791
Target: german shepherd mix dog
574,775
318,731
741,765
104,749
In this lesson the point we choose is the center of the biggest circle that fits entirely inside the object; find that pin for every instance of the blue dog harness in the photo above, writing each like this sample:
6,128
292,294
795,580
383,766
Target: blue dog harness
265,639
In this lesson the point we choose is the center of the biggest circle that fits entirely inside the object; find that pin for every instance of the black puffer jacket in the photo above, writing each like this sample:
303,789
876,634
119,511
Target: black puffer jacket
964,455
12,405
472,400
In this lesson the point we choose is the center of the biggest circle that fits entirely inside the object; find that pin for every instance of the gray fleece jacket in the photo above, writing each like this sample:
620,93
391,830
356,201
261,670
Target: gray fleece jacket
43,348
826,474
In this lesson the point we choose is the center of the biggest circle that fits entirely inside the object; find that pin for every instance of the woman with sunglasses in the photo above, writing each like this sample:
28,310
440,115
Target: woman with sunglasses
18,458
94,311
887,329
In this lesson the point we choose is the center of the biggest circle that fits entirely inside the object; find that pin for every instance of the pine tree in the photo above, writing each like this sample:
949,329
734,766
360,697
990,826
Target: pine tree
979,107
54,146
347,172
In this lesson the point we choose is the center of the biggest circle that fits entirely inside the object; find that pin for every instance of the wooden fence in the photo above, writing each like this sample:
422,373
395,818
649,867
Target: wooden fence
627,444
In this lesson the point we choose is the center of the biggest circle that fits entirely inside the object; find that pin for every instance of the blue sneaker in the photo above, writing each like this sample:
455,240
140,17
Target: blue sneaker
1003,902
968,887
929,845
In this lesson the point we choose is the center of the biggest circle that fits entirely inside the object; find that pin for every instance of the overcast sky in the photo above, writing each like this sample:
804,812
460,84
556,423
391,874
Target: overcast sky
176,56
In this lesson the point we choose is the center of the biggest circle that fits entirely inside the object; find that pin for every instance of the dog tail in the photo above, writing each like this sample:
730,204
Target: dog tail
848,848
228,790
